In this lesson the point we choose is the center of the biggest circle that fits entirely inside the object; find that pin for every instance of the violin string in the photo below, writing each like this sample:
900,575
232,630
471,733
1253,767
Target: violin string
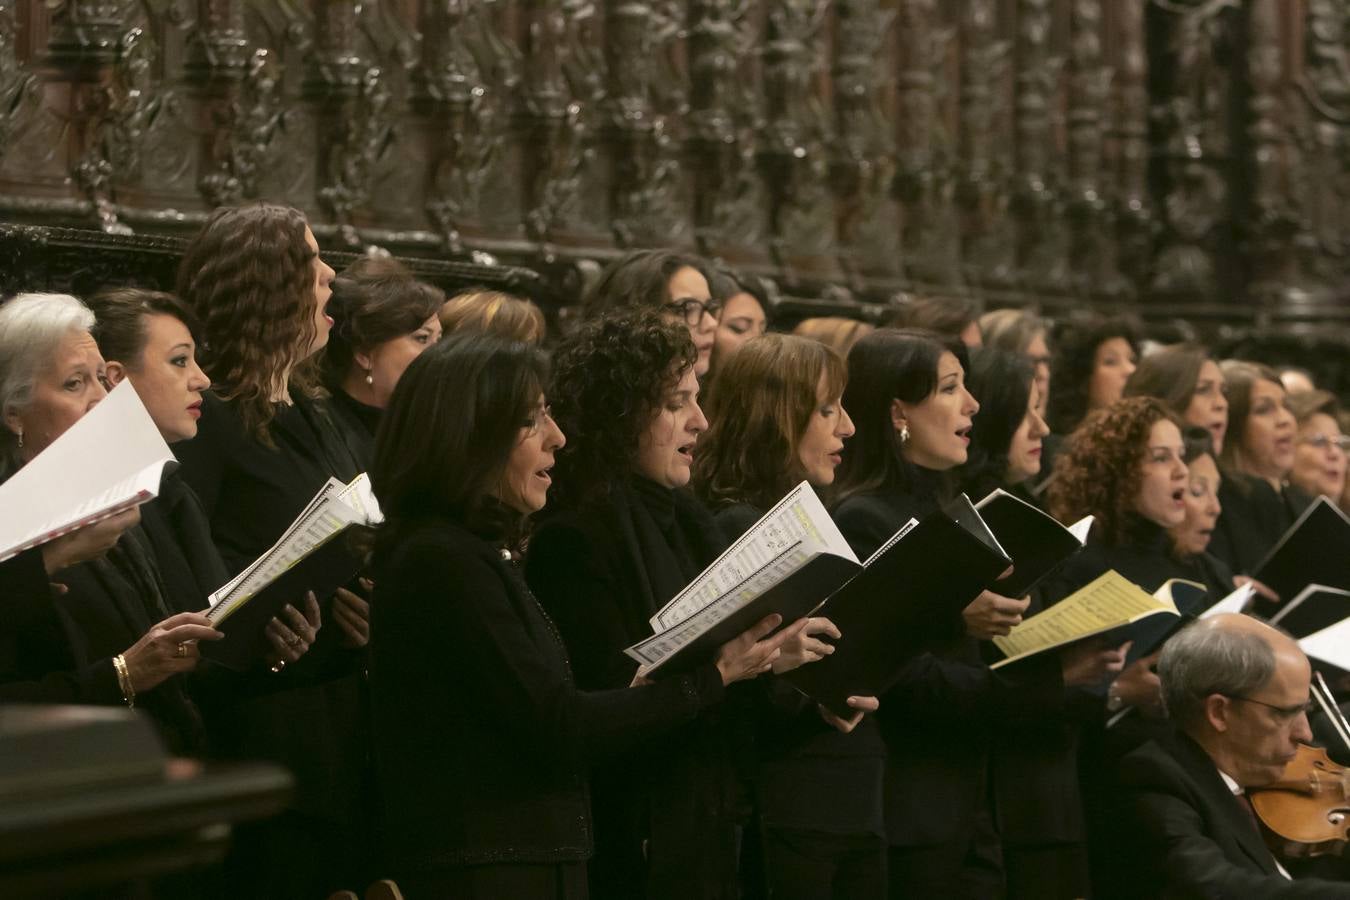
1327,701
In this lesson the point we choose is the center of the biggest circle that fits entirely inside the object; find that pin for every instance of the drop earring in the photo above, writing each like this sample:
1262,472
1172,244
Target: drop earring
370,379
904,433
20,440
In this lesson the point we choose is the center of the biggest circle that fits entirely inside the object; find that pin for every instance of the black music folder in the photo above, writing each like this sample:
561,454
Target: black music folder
1315,550
1034,540
905,599
1316,607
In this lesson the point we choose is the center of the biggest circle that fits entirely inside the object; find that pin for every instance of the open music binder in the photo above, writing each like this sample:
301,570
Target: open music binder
317,552
109,461
1110,608
786,563
1315,608
1315,550
906,598
1034,540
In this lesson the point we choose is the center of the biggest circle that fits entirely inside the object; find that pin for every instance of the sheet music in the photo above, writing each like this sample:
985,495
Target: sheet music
891,541
333,508
1082,528
1235,602
758,559
108,461
1108,602
1330,645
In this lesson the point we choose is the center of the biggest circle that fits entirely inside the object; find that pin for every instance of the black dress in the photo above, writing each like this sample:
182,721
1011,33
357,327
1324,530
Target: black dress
250,492
938,723
817,791
668,816
484,740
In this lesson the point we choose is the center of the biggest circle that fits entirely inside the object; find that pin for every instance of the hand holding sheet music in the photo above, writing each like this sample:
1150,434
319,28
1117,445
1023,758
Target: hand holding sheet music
110,460
312,554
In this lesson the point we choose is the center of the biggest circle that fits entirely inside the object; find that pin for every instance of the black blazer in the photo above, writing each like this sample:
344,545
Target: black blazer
1186,835
358,423
939,719
483,739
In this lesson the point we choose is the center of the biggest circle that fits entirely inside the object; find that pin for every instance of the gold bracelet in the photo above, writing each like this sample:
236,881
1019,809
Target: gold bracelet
124,680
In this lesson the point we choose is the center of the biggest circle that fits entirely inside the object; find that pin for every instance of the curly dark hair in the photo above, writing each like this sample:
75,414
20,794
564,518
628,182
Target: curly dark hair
760,404
1099,470
374,301
249,277
610,378
1075,343
1001,381
639,278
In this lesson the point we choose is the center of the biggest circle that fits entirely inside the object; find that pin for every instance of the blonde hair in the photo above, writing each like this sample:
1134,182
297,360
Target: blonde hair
494,312
835,332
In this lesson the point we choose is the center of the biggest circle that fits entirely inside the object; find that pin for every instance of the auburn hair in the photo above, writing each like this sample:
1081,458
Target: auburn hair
248,276
760,403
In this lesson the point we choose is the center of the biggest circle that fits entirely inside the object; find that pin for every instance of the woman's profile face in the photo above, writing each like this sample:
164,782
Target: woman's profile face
1208,408
1024,452
70,385
939,426
821,446
323,289
1161,496
385,364
666,448
1268,434
688,284
742,319
1112,365
1191,537
167,377
526,480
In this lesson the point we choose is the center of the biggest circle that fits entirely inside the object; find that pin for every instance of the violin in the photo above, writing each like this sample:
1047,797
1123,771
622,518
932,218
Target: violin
1307,812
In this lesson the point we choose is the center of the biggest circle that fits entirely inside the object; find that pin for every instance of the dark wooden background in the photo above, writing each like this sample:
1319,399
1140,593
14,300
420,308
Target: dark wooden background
1187,158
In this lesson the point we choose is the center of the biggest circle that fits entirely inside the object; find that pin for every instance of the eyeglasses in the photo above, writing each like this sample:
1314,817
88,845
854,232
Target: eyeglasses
1283,713
692,311
536,420
1323,441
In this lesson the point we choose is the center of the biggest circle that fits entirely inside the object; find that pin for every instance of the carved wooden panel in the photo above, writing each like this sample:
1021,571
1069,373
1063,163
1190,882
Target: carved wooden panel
1182,157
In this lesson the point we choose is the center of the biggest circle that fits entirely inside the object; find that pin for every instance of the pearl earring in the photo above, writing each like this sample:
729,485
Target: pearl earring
370,379
904,433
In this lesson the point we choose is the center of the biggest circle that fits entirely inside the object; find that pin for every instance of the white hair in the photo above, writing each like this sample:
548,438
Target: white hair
32,327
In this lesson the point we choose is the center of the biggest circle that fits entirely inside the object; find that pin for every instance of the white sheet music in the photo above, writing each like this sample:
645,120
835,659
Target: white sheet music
760,558
110,460
1235,602
1330,645
332,509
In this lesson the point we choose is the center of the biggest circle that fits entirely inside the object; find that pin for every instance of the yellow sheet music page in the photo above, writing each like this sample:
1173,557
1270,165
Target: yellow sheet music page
1108,602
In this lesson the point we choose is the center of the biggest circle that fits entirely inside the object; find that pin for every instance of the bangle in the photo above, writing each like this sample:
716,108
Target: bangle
124,680
1114,702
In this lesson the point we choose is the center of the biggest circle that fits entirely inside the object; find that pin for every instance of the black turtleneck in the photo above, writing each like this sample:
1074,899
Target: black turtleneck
358,422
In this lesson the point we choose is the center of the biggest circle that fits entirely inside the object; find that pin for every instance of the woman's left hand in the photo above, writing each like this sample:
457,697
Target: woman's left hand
804,647
863,705
352,615
291,634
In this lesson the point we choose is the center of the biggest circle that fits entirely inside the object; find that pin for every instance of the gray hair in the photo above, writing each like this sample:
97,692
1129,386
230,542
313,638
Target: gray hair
1201,660
32,327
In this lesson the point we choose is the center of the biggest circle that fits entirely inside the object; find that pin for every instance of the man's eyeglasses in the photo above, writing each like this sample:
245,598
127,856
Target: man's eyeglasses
1283,713
692,310
1323,441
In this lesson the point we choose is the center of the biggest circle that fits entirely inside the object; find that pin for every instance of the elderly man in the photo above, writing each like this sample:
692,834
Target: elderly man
1237,692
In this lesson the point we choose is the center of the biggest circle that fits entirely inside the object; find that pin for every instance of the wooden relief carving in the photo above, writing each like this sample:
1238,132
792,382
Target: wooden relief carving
1184,154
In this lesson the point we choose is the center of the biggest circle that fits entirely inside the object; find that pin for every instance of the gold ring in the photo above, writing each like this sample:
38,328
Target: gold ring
295,641
182,650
